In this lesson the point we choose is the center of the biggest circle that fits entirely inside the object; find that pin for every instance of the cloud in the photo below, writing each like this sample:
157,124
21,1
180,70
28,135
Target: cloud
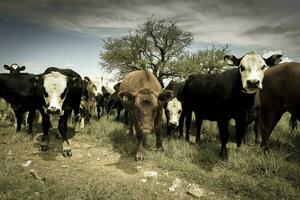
265,23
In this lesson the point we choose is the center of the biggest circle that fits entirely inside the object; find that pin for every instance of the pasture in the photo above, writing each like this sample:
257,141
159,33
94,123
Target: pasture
103,166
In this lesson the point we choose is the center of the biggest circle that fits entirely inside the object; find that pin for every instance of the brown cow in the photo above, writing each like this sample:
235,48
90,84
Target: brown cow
142,96
280,94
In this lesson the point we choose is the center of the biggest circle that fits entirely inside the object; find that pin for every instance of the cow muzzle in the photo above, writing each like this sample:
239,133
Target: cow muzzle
53,110
253,84
146,130
173,124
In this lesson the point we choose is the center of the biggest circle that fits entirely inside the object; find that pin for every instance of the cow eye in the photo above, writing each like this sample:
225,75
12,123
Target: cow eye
263,67
179,111
63,94
242,68
45,93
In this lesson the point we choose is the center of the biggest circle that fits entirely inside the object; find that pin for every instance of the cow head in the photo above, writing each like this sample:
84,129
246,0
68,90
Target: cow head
145,105
14,68
55,90
252,67
173,110
89,87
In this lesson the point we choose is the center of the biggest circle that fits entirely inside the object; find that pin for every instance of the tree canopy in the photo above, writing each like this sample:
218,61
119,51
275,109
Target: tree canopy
154,45
209,60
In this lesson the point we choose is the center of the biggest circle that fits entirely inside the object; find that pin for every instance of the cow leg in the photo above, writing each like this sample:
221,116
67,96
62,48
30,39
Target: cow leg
167,123
139,156
46,125
98,111
181,122
158,130
224,135
82,123
268,120
188,122
199,121
19,118
30,120
130,125
256,131
118,114
240,131
77,117
63,129
126,116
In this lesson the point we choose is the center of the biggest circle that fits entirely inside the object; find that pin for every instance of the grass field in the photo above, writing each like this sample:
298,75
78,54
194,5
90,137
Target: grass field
103,166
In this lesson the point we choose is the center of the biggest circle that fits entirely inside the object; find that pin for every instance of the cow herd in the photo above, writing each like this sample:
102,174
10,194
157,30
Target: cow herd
255,89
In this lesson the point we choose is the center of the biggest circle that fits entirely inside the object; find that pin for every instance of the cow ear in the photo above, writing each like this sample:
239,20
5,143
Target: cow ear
75,79
117,86
6,67
165,96
273,60
21,68
126,96
87,79
232,60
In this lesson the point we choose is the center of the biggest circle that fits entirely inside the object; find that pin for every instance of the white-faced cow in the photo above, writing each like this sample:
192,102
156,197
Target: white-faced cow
173,108
62,91
143,97
222,96
280,94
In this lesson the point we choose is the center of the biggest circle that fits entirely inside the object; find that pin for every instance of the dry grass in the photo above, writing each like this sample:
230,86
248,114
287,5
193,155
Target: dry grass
102,166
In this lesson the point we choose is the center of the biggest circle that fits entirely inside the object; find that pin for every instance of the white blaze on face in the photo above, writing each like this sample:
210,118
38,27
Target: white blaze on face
252,68
15,66
174,109
55,85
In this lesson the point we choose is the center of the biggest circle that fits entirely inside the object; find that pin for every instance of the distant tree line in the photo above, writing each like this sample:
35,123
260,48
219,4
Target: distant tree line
160,45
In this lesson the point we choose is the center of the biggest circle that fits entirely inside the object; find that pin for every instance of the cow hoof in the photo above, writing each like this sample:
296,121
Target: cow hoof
43,148
160,148
58,136
30,136
67,153
139,156
224,156
256,142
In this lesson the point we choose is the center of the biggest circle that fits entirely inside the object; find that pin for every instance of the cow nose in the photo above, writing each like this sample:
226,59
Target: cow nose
173,123
253,83
53,110
146,130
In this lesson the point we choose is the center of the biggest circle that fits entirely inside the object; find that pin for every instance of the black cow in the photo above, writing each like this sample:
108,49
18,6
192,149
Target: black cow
20,91
62,91
220,97
114,102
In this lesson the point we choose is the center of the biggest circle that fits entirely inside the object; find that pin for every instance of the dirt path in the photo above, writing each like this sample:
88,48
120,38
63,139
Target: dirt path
89,160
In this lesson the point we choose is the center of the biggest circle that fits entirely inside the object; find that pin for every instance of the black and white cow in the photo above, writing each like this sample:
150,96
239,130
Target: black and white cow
62,91
14,68
173,108
222,96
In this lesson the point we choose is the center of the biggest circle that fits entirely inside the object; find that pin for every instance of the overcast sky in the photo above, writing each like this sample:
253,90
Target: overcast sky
43,33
